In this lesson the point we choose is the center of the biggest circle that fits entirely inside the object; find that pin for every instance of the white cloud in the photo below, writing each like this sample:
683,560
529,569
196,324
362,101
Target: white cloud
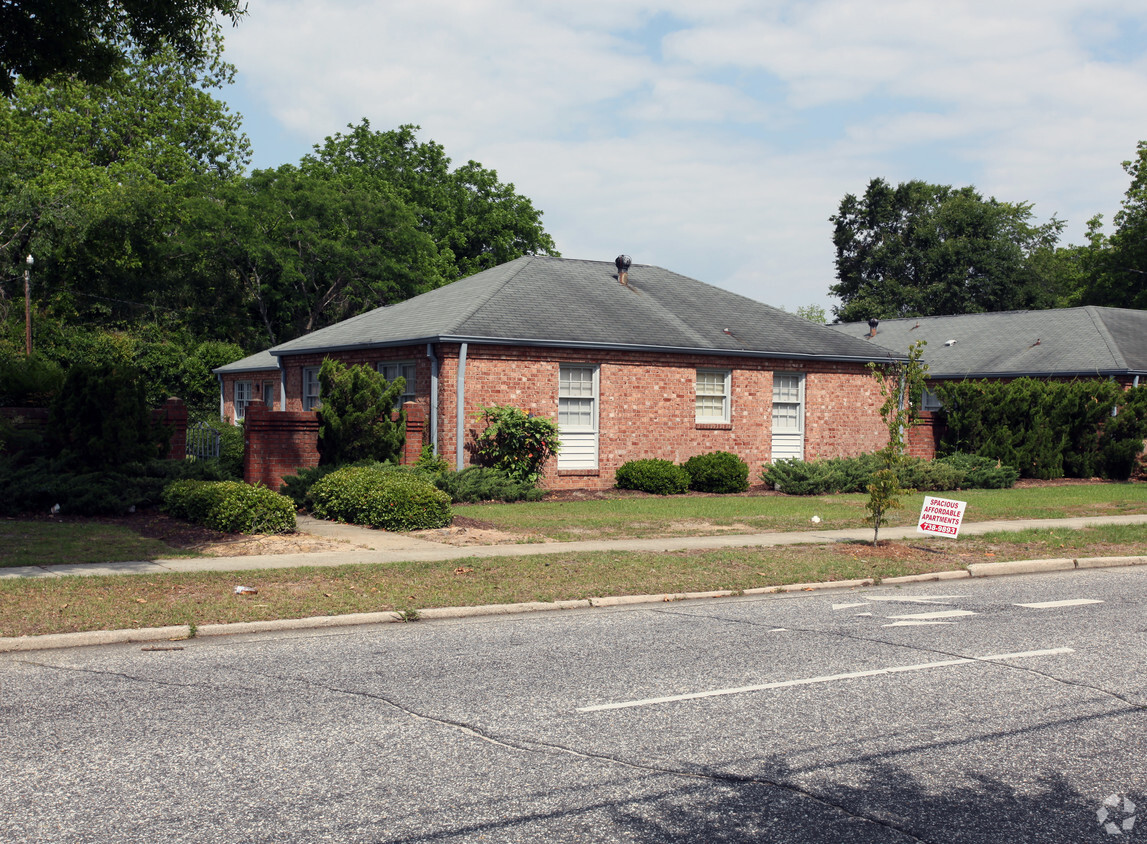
716,139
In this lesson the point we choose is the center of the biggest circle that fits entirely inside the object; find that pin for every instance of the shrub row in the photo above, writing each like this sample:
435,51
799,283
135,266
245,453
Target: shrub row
854,474
717,471
39,484
230,506
1047,429
380,497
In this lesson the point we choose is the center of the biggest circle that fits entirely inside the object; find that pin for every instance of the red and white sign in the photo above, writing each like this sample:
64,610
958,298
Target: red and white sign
941,516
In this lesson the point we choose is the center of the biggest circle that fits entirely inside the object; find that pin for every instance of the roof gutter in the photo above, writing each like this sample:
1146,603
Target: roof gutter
890,357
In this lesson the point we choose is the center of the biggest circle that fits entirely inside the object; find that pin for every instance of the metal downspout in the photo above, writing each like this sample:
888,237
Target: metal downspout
433,397
460,413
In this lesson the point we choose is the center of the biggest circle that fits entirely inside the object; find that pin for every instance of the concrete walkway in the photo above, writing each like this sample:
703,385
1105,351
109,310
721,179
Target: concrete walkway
382,547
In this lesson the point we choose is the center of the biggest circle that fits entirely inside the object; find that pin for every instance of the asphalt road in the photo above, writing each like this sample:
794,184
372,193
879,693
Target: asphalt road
980,711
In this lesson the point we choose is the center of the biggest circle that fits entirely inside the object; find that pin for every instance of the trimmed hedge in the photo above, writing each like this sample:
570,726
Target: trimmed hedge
717,471
382,498
854,474
230,506
659,477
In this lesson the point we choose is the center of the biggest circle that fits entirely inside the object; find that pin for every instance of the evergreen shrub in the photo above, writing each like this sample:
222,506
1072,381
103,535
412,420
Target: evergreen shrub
659,477
384,498
230,506
717,471
856,474
480,483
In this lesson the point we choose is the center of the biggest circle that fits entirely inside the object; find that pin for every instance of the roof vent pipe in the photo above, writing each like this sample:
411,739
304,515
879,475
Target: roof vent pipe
623,263
872,323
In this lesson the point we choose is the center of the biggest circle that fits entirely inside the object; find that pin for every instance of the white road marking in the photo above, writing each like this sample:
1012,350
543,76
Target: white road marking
862,614
778,630
931,599
915,623
1044,605
852,675
849,606
925,616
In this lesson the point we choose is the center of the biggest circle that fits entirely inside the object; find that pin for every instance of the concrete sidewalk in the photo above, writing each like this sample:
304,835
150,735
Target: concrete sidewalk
382,547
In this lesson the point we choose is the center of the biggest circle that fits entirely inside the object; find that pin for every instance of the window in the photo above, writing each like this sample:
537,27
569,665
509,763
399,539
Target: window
393,369
269,394
242,398
577,417
712,395
930,401
788,416
310,388
786,402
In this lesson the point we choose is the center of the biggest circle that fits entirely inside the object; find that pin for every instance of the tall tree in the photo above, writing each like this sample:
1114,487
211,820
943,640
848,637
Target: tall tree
920,249
1116,266
46,39
476,221
91,176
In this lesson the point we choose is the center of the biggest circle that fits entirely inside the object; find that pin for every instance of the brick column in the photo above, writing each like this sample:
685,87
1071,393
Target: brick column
173,414
278,443
415,433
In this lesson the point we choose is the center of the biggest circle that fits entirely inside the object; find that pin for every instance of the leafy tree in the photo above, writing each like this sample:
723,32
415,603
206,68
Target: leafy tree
355,416
92,178
1115,267
920,249
475,221
813,313
44,39
901,385
305,248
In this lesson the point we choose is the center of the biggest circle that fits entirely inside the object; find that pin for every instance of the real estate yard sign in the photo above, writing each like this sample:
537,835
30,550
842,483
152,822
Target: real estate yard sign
941,516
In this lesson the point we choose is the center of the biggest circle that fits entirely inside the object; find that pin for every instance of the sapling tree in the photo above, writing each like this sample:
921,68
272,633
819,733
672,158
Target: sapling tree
902,385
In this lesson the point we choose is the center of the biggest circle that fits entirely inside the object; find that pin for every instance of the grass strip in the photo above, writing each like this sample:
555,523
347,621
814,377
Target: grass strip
69,604
692,515
38,543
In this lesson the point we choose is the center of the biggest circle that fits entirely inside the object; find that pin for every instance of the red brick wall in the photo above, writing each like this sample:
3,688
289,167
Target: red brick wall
647,405
257,379
278,443
923,437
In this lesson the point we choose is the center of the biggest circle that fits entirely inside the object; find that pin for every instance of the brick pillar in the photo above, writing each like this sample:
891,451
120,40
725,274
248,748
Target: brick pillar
415,433
278,443
924,436
173,414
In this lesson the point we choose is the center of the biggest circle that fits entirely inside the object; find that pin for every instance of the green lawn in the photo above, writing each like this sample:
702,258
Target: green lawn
66,604
39,543
691,515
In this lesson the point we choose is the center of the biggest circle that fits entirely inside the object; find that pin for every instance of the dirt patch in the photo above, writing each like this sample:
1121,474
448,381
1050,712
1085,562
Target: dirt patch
464,531
212,543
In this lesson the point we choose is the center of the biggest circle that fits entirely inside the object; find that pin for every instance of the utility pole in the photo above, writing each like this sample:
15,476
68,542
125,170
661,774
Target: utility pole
28,306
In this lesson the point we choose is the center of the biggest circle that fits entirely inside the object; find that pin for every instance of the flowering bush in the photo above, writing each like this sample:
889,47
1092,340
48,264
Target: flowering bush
516,443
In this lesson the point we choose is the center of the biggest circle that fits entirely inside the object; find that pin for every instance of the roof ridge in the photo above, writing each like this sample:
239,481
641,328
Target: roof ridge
1101,328
526,260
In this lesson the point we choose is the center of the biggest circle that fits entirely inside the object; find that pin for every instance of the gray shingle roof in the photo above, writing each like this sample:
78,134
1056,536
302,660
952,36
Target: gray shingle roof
537,300
261,360
1088,341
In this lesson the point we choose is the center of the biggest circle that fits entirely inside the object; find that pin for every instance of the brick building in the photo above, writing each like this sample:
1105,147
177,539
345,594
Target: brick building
631,361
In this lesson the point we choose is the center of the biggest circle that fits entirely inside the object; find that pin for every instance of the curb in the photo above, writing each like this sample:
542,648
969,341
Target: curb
182,632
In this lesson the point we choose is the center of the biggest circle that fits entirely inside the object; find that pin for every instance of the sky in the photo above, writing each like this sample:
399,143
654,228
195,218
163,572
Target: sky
715,138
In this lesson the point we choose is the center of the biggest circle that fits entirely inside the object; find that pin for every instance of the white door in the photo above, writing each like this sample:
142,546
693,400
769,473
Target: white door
577,417
788,416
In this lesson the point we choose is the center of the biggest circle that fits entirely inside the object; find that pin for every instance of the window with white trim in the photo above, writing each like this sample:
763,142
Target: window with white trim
311,398
787,409
242,398
712,403
577,417
405,369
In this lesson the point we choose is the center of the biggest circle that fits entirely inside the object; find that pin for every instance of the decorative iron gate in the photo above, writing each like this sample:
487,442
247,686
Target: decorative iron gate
203,441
